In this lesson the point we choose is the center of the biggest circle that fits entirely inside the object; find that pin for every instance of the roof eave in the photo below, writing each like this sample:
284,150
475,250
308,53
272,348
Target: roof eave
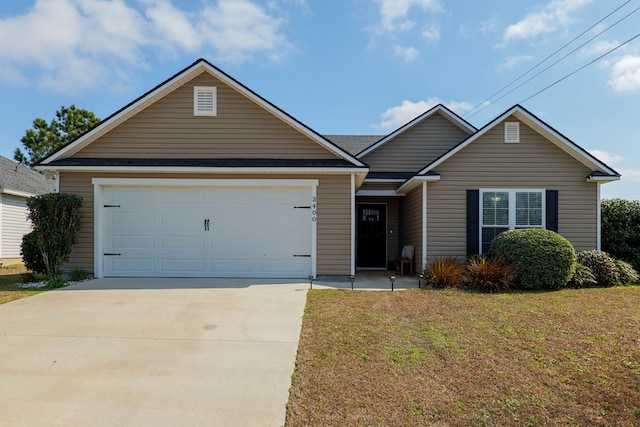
413,181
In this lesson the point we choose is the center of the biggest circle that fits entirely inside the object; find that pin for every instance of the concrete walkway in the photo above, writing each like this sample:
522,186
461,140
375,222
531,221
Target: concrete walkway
150,352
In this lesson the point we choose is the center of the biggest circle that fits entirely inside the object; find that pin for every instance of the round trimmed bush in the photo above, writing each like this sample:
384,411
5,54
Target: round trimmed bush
542,258
602,266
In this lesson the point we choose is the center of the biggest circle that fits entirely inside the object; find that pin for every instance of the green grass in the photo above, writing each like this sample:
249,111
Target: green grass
10,279
449,357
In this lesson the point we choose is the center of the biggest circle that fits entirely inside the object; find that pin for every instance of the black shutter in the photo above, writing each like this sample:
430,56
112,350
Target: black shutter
473,222
552,210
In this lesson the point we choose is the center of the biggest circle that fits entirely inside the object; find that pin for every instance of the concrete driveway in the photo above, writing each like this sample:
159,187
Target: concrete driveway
150,352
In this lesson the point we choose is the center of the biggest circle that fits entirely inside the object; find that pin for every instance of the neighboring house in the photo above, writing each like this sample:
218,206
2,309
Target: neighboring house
17,184
203,177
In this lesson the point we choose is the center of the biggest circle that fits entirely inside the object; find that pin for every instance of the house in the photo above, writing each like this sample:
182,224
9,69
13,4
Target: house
17,184
202,177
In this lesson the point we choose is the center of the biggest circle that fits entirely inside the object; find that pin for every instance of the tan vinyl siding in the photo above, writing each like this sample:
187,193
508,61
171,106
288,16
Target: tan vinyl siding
411,223
417,147
334,225
490,163
393,222
241,129
15,224
333,228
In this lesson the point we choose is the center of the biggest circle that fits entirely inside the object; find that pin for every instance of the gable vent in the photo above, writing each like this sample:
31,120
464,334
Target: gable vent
512,132
204,101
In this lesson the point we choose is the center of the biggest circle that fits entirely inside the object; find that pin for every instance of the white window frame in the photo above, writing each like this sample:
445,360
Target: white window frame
512,208
197,111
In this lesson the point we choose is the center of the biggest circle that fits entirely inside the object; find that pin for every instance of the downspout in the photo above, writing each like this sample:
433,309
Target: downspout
599,218
353,224
424,226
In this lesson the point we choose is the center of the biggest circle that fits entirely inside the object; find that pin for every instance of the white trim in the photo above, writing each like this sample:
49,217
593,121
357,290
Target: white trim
17,193
193,169
602,178
186,75
415,179
314,227
353,225
424,226
182,182
56,177
100,183
197,90
598,218
372,180
454,118
379,193
98,238
539,126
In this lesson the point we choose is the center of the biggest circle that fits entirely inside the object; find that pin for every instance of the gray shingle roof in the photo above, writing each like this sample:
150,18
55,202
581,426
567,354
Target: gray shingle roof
353,144
16,177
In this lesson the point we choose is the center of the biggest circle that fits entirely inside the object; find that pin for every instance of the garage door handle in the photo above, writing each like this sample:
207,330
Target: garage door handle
206,224
304,256
112,254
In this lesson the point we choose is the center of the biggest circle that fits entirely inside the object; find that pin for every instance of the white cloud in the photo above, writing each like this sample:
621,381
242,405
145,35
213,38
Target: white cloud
431,33
625,74
394,13
630,175
399,115
553,17
407,53
606,156
67,45
513,61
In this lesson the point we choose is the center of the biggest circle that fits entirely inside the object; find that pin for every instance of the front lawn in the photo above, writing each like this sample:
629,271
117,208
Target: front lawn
449,357
10,280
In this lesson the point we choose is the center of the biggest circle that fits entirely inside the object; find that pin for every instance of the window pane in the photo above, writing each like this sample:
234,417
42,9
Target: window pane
495,208
528,209
488,234
535,217
522,217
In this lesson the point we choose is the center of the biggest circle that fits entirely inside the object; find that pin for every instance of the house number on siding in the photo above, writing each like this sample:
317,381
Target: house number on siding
314,213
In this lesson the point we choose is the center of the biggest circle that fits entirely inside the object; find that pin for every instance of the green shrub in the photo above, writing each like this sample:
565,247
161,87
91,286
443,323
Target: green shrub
542,258
78,275
31,254
583,278
621,230
56,282
626,273
602,266
487,274
56,222
443,272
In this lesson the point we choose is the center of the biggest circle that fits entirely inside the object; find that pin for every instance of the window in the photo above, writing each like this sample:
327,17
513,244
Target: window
502,210
511,132
204,101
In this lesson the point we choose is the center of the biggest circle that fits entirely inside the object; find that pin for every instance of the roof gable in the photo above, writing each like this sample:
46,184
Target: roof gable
441,109
174,83
539,126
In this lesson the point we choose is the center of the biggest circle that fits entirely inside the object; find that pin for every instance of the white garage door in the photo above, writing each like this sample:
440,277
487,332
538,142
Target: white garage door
207,231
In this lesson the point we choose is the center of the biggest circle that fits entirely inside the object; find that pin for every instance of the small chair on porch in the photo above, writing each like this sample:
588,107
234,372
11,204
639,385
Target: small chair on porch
405,258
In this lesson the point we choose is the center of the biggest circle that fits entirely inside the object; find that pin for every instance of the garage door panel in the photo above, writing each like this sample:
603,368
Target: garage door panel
131,242
161,231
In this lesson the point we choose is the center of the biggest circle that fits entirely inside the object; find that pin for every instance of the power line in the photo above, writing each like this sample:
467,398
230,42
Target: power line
581,68
564,57
484,104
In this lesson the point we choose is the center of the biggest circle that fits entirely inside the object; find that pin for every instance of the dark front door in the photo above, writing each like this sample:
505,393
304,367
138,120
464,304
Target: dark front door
371,235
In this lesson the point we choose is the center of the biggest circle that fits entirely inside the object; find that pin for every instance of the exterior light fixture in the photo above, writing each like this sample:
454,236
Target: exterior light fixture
351,279
392,279
310,282
420,279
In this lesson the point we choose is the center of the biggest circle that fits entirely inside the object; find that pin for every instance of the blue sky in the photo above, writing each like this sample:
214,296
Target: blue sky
341,67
